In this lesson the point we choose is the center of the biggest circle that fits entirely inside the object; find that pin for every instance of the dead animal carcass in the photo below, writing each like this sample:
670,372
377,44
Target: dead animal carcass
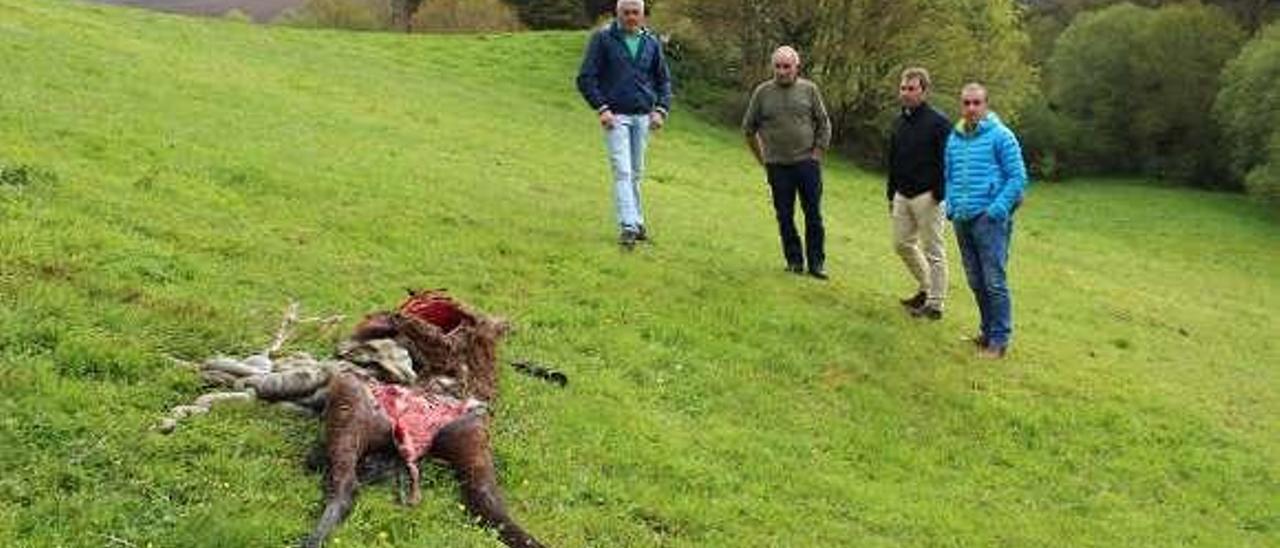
442,413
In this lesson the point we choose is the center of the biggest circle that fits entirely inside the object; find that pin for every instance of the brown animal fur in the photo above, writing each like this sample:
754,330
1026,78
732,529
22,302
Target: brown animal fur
355,428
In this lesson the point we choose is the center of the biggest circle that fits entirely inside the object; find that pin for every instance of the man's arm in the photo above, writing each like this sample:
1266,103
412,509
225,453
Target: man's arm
662,81
1013,174
821,125
948,176
753,143
941,133
590,72
890,148
751,126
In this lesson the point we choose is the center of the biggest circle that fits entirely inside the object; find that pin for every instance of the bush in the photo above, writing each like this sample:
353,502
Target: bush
553,14
466,16
855,51
1264,180
1047,137
1137,80
236,14
1248,108
341,14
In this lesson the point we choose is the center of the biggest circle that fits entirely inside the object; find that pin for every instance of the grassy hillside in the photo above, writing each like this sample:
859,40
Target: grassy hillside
169,184
258,10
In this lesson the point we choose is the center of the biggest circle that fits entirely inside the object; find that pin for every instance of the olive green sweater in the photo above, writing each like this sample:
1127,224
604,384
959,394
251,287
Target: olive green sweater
790,119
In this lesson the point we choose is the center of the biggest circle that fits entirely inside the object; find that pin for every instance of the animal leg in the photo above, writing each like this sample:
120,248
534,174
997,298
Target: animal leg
415,489
464,445
353,428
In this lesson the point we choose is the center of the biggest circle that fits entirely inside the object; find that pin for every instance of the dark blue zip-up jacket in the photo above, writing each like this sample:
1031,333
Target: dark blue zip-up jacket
611,79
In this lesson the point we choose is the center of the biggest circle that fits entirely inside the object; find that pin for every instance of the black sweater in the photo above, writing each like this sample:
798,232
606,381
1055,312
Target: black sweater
916,151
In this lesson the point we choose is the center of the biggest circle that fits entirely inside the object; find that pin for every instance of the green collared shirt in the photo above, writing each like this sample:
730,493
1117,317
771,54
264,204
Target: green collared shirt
632,40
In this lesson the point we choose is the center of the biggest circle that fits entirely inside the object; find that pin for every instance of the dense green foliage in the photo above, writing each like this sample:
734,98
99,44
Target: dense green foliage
342,14
168,184
856,51
1137,84
466,16
1249,110
552,14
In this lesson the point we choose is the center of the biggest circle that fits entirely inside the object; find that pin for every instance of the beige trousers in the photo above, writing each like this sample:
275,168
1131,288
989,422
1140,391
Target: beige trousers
917,237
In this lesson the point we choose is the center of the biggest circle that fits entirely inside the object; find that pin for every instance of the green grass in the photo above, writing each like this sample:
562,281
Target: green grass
169,184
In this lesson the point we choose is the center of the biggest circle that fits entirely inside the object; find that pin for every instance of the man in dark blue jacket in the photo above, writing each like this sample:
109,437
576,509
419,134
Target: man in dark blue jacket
625,78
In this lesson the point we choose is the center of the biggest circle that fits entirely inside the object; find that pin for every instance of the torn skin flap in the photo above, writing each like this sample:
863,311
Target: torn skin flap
416,418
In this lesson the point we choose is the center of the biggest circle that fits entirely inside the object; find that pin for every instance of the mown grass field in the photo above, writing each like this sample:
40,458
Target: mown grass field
169,184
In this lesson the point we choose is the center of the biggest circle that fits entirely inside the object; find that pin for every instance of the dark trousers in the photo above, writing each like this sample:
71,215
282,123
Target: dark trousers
786,181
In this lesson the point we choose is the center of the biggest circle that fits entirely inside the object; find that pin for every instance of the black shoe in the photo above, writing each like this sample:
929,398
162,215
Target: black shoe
930,312
916,301
642,235
627,238
818,273
992,352
795,268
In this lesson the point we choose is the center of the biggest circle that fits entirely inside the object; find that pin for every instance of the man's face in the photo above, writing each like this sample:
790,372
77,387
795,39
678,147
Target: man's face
973,105
911,93
630,16
785,69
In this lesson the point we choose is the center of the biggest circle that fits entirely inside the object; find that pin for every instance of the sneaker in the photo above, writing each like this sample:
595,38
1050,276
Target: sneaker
642,235
991,352
916,301
926,311
795,268
627,238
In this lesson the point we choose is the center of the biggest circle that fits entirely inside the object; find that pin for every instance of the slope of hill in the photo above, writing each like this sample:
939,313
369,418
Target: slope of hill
260,10
169,184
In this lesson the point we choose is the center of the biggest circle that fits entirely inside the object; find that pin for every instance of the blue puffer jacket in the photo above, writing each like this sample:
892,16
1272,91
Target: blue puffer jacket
984,171
611,78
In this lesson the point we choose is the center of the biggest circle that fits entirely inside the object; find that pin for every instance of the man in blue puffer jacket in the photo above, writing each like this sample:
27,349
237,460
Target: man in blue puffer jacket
625,78
985,178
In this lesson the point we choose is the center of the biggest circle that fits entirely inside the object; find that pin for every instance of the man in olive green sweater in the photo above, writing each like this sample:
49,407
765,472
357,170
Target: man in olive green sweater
787,130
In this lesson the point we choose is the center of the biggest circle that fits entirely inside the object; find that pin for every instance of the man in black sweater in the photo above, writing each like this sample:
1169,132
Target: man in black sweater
915,192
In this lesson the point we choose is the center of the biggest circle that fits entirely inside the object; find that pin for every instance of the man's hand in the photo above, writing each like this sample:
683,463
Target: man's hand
753,144
997,212
606,119
816,154
656,119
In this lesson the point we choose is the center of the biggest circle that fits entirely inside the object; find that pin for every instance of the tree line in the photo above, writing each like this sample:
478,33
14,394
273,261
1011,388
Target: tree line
1179,90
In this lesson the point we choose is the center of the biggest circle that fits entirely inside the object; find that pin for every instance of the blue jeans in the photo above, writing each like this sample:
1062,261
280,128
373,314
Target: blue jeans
984,246
626,143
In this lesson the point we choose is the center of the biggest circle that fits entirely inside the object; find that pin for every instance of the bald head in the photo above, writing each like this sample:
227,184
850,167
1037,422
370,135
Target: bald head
786,53
786,65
